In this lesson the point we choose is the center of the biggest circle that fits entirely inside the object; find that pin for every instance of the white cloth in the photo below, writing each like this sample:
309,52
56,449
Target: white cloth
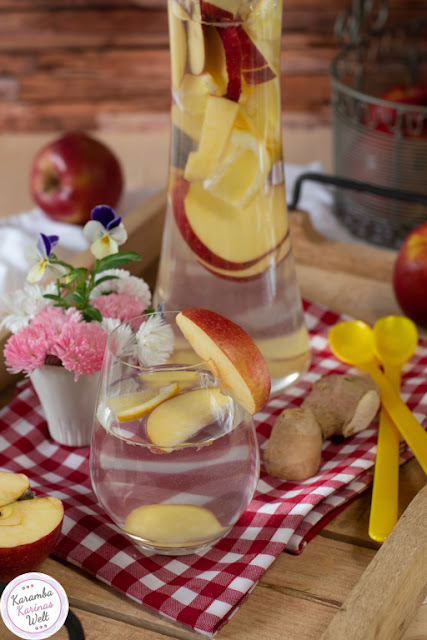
17,232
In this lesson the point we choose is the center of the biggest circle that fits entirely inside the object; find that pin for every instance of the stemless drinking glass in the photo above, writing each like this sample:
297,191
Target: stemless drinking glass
174,460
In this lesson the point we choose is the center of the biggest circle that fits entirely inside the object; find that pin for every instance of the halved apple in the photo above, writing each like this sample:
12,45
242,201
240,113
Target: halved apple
12,486
171,524
178,419
231,353
223,235
135,405
29,530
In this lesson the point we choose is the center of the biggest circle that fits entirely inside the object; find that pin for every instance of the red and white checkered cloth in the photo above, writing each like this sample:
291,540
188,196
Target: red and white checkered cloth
203,591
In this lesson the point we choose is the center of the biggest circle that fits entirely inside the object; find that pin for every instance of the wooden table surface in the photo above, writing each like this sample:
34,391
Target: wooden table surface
298,596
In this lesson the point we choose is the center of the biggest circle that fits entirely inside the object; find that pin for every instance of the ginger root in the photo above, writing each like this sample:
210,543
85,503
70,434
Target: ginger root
294,449
343,404
337,405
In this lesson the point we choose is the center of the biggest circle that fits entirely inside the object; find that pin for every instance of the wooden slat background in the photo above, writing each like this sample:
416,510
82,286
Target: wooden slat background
96,64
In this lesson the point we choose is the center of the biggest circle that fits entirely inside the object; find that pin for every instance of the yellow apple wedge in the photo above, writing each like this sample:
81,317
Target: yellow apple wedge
178,419
136,405
29,530
178,49
196,47
170,524
12,486
231,353
218,121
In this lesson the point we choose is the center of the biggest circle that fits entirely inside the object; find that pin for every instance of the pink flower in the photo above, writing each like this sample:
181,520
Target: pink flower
27,350
80,347
56,317
118,305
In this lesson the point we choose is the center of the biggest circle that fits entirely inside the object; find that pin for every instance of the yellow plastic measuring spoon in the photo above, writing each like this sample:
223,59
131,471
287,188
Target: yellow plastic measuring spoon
353,343
395,340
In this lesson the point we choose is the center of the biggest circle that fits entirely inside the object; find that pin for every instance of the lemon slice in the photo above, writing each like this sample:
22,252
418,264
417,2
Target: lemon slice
132,406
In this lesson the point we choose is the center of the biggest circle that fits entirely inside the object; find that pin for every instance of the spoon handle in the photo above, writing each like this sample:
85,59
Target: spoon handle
401,415
385,489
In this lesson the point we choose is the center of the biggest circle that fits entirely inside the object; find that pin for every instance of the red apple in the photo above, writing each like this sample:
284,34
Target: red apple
385,118
29,527
72,174
410,276
231,353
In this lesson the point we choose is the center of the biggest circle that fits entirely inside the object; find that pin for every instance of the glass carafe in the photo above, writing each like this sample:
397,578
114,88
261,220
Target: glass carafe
226,243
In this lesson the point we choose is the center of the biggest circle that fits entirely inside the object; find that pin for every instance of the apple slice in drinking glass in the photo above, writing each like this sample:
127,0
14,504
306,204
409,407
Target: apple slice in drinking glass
170,524
12,486
178,419
231,354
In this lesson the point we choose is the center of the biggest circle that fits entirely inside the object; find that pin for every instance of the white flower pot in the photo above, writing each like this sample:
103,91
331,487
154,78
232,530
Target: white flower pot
68,405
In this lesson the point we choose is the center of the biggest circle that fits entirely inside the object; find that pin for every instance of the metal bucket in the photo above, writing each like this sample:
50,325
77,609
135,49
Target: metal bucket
377,141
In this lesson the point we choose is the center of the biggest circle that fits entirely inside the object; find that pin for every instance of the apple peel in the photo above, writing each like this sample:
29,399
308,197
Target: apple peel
231,353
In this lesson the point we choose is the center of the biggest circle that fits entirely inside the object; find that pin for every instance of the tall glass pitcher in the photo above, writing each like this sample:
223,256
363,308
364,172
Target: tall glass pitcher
226,243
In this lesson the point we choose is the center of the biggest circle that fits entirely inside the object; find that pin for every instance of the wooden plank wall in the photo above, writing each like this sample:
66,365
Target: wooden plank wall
96,64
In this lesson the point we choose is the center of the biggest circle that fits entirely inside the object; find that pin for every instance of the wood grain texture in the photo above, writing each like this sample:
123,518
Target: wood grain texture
68,63
393,586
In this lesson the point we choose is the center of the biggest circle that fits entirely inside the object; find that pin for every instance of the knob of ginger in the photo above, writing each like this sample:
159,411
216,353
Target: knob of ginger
337,405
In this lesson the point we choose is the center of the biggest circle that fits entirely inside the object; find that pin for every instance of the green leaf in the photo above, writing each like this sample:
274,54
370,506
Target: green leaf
116,260
104,279
52,296
91,314
77,297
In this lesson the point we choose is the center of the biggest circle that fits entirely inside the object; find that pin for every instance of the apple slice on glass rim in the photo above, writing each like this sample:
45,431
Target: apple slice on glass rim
231,354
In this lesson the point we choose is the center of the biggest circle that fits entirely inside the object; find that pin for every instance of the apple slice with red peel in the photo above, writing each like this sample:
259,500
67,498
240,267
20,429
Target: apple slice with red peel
248,274
231,353
12,486
252,58
221,234
233,60
178,419
29,530
171,524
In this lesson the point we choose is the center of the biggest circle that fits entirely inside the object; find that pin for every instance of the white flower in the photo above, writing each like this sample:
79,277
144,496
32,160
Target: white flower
21,306
123,344
154,341
105,232
123,283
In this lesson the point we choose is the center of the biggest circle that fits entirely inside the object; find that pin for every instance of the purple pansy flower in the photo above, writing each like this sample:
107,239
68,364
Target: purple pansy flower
105,231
